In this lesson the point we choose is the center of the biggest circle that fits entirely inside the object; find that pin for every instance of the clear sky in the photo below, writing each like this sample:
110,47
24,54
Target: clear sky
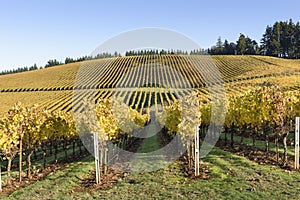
34,31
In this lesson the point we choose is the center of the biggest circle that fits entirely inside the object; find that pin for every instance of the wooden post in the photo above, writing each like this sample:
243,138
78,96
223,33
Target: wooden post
189,154
105,160
96,153
0,180
297,132
44,157
197,157
20,157
101,160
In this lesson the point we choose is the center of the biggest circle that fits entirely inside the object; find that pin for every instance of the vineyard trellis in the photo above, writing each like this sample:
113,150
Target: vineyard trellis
254,110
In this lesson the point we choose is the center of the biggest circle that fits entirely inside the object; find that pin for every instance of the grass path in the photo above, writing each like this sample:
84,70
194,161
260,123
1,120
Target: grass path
231,177
149,156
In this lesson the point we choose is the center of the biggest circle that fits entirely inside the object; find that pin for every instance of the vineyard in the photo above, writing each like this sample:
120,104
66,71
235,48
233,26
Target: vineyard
257,99
53,87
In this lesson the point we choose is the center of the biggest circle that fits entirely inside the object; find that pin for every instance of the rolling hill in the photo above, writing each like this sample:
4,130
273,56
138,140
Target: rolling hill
145,80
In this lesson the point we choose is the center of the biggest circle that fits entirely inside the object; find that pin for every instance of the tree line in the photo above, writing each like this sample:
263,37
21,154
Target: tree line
155,52
55,62
244,46
20,69
282,39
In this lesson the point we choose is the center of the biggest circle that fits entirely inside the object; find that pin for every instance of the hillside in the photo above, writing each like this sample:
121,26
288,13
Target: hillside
52,87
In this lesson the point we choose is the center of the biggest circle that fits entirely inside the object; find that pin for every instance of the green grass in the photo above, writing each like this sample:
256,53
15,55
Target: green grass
39,163
148,157
231,177
259,144
56,185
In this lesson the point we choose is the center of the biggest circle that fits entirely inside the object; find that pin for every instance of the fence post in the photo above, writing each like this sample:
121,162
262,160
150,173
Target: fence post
96,153
197,158
297,132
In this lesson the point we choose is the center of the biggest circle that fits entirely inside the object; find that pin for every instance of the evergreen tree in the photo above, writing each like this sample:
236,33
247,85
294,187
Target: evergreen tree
297,40
241,44
229,48
219,46
282,39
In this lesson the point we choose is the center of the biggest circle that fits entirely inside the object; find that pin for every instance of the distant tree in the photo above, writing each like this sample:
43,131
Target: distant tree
52,63
69,60
241,44
229,48
275,45
252,47
219,46
282,39
162,52
233,48
265,41
226,47
116,54
34,67
297,41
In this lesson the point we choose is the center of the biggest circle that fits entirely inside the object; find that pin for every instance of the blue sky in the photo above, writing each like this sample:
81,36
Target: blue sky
35,31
